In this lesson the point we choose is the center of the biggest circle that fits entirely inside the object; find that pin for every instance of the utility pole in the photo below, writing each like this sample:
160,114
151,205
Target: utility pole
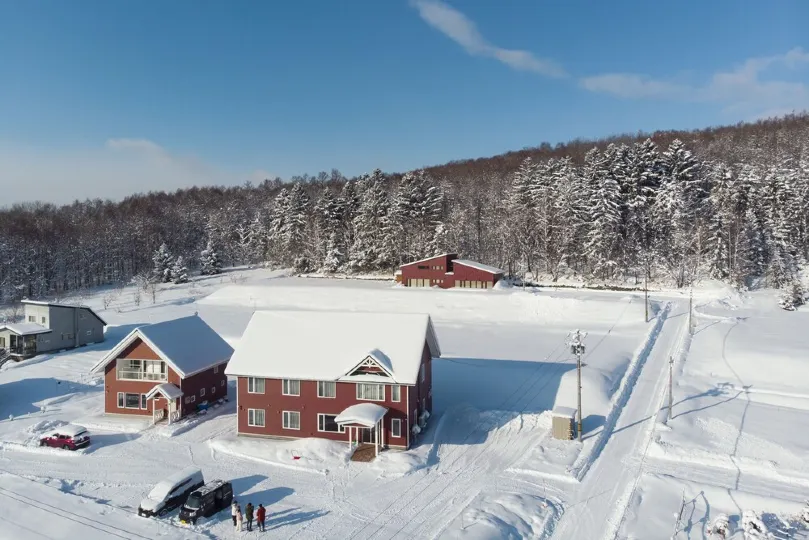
691,310
646,294
671,385
577,348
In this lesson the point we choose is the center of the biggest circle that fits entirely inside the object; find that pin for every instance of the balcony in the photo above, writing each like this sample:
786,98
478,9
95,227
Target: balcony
138,375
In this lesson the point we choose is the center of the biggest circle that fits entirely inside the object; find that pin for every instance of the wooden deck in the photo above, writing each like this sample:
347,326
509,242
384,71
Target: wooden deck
364,453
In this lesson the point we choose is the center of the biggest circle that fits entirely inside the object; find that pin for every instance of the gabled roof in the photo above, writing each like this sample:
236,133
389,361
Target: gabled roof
188,345
479,266
431,258
25,329
327,345
167,390
54,304
364,414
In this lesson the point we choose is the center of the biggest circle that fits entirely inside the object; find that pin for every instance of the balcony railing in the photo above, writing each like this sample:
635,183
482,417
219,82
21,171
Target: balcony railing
135,375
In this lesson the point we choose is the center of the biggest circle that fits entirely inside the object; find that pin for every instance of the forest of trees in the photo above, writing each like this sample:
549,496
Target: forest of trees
728,203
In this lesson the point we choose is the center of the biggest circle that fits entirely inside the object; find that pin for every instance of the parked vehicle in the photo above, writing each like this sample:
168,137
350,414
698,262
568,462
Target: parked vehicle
171,492
207,501
69,437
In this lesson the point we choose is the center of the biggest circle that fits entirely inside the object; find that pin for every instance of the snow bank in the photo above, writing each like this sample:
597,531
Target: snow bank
309,455
505,516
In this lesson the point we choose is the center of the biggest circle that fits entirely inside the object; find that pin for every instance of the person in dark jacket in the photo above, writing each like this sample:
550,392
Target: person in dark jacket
261,513
248,514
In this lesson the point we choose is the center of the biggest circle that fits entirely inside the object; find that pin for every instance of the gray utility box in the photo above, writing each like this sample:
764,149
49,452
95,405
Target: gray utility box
564,423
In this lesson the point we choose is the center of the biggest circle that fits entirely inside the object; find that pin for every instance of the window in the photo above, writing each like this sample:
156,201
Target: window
43,320
421,373
395,393
423,267
193,399
213,389
325,422
131,401
255,385
187,400
292,420
291,387
395,427
326,389
371,392
90,332
201,392
255,417
136,370
222,382
215,370
31,318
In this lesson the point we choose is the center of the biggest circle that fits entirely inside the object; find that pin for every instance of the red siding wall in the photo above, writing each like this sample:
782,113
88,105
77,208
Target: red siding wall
192,385
412,271
309,405
467,273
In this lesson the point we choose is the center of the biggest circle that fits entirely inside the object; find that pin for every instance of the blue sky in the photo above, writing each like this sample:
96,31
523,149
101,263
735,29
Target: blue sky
101,98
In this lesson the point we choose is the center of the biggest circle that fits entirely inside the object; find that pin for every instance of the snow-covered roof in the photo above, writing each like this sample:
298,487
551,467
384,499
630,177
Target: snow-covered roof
25,329
54,304
564,412
168,390
479,266
187,344
71,430
328,345
431,258
364,414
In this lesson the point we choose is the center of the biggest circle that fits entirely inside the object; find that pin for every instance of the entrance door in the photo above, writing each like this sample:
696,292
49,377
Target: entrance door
367,435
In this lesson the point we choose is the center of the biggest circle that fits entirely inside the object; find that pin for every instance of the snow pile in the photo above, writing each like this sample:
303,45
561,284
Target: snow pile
308,455
503,516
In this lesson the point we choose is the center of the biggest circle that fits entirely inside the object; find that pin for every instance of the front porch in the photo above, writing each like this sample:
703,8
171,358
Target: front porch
363,422
165,400
20,339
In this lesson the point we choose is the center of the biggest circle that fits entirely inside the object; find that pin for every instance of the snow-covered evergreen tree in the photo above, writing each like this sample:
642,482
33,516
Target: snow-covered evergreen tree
603,238
211,264
373,247
522,218
163,262
179,272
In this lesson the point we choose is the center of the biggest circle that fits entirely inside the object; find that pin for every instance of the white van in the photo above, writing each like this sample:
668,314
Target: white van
171,492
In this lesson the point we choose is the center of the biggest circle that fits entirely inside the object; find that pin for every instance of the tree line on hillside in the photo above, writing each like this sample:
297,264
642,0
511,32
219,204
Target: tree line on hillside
727,203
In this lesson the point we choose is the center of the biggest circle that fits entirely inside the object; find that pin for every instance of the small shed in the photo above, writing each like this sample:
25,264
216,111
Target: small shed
564,421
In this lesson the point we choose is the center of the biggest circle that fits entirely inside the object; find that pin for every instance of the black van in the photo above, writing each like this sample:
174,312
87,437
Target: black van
207,501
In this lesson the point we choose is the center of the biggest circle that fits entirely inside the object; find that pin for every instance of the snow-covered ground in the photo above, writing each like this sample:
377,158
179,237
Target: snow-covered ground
485,468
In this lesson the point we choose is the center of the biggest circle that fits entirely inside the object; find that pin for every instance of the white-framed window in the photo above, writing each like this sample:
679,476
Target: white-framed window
215,370
43,320
213,389
395,427
187,400
31,318
201,392
421,373
193,399
222,382
90,332
326,389
127,400
255,417
371,392
291,387
395,393
326,423
291,420
255,385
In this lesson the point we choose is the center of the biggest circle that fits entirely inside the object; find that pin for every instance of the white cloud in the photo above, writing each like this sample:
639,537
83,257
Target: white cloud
750,89
457,26
120,168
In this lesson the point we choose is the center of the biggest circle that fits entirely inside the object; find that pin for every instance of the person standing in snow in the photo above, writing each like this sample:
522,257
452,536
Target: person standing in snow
261,513
238,519
234,507
248,513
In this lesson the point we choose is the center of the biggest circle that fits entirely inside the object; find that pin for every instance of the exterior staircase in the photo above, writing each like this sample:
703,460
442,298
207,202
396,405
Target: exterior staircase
5,356
364,453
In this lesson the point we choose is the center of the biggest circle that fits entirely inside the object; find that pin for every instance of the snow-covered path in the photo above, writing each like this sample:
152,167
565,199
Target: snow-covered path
596,508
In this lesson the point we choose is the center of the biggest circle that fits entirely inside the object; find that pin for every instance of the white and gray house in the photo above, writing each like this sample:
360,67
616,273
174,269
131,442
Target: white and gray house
47,327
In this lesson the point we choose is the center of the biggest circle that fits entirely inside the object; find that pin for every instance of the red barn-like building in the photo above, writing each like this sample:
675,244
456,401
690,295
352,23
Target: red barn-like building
165,369
345,376
448,271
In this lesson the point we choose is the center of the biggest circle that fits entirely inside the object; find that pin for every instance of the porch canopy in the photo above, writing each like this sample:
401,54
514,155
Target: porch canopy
364,416
25,329
171,393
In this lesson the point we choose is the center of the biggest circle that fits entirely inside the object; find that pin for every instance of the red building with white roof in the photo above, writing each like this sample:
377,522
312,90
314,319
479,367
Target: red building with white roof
165,369
346,376
447,271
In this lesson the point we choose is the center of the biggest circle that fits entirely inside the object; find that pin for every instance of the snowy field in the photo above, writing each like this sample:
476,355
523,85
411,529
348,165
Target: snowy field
485,468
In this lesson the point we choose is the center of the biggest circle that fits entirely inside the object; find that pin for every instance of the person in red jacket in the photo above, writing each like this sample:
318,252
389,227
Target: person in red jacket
261,513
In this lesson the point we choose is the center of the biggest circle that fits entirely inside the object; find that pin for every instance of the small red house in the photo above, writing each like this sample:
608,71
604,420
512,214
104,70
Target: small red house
165,369
345,376
448,271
